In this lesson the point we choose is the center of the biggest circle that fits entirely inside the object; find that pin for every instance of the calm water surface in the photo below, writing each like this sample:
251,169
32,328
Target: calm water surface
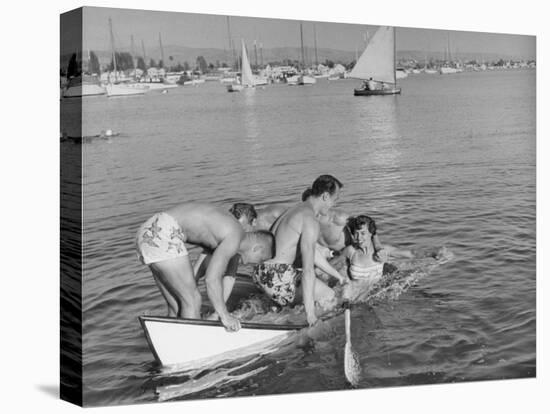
450,162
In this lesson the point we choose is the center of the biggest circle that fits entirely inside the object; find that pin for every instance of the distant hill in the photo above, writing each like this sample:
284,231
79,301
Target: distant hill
183,54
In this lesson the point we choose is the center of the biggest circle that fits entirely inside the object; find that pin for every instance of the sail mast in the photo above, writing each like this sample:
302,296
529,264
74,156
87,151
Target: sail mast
255,56
394,57
161,51
315,43
144,58
261,54
113,47
133,52
231,42
302,46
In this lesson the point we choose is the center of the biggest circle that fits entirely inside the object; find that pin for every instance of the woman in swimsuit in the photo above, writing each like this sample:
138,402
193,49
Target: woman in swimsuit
361,258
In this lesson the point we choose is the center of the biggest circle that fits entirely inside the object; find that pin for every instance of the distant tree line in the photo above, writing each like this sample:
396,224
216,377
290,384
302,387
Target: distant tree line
74,67
125,62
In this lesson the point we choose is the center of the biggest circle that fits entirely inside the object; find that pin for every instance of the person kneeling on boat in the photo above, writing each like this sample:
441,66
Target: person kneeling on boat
296,232
160,243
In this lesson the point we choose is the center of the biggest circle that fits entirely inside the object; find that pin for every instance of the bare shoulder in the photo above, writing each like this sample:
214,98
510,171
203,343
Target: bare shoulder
309,221
273,210
348,251
340,217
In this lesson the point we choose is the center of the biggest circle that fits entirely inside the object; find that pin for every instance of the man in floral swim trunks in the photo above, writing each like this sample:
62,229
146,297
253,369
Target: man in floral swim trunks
160,245
296,232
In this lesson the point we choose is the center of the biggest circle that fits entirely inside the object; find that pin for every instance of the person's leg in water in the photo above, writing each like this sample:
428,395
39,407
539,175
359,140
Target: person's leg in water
176,277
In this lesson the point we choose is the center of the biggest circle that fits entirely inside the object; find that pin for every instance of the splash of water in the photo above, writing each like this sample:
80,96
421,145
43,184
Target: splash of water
196,383
258,308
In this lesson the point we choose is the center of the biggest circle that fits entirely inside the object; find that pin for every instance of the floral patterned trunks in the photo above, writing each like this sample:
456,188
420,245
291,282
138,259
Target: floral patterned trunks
278,281
160,238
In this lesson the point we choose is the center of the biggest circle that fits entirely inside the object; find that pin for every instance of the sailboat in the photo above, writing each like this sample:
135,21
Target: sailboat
119,88
84,85
447,69
301,78
377,63
247,77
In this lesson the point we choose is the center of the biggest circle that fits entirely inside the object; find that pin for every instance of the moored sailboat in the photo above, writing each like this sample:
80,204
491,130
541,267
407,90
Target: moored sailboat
120,88
247,77
376,66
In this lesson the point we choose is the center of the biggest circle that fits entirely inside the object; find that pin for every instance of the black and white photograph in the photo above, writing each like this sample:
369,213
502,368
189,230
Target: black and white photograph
246,206
276,206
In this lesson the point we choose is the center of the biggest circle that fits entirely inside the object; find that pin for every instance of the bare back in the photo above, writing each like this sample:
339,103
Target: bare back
205,225
268,215
288,230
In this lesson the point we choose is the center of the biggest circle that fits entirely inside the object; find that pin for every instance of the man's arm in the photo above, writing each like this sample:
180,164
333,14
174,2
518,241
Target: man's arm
322,263
220,258
308,240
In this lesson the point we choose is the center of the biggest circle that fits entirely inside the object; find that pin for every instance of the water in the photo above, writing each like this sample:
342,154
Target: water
450,162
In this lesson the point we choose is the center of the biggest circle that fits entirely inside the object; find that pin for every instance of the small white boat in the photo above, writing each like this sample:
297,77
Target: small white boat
153,86
301,80
194,82
235,87
400,73
182,341
446,70
125,89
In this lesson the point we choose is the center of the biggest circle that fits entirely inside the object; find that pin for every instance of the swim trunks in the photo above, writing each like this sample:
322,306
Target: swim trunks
278,281
160,238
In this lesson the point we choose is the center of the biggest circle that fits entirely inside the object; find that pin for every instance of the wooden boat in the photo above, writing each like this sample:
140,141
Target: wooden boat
182,341
377,63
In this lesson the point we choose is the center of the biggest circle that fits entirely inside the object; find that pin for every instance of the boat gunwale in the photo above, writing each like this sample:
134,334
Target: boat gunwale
203,322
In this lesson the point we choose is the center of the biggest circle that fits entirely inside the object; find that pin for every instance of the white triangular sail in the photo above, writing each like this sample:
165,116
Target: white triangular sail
247,76
378,59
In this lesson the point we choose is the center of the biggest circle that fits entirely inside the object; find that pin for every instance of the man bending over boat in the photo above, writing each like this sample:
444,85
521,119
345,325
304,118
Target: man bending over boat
246,215
160,245
296,232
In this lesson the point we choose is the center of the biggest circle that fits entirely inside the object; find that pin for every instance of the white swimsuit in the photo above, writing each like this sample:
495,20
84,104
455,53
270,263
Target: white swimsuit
365,272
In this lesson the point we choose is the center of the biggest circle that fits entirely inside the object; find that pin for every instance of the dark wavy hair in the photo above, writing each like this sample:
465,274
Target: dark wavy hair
355,223
323,184
243,209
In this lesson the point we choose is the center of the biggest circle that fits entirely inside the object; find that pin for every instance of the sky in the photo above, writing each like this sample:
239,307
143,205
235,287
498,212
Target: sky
211,31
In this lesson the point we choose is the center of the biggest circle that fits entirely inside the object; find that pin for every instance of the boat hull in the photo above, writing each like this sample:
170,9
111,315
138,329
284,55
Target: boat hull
235,88
368,92
82,90
189,341
447,70
125,89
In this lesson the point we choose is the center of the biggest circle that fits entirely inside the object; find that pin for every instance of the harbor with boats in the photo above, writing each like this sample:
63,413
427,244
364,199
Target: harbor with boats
128,74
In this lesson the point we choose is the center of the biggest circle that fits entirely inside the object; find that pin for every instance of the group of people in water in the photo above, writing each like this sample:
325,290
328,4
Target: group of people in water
298,252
